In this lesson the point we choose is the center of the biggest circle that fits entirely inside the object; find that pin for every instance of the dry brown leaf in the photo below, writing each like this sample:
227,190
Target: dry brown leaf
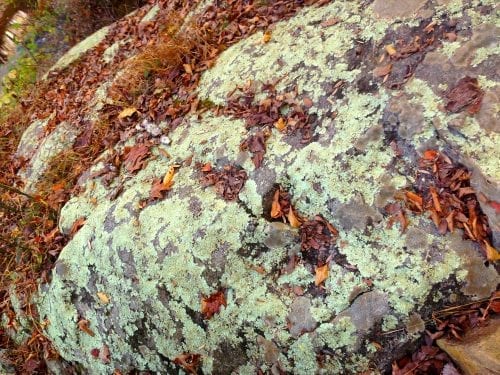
383,70
321,274
330,22
127,112
83,325
416,199
103,297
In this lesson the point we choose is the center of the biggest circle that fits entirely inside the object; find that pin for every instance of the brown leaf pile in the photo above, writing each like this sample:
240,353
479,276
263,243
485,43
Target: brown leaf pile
444,192
227,182
256,144
318,235
465,95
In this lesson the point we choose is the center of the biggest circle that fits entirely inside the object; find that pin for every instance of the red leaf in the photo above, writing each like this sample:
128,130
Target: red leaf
135,157
465,95
211,305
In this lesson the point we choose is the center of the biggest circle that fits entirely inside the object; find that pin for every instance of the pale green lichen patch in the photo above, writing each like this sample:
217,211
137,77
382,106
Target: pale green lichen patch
156,259
404,274
310,60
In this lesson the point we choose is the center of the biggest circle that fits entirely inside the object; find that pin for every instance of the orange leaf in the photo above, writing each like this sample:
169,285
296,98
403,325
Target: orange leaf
169,175
294,221
275,207
430,154
280,124
159,188
266,37
492,254
391,51
83,325
211,305
207,167
435,199
415,199
321,274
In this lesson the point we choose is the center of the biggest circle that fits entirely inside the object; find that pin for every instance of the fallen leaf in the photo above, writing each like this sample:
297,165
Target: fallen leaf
275,206
292,219
266,37
103,297
135,157
430,154
77,225
211,305
330,22
127,112
207,167
104,354
158,189
416,199
381,71
83,325
307,102
189,362
169,175
188,69
435,199
94,353
321,274
465,95
492,254
391,51
280,124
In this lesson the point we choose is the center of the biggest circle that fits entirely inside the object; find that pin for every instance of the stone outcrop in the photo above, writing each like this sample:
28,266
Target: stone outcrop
137,273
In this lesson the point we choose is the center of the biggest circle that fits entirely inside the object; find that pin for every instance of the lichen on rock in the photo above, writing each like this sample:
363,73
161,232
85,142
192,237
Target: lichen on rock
156,259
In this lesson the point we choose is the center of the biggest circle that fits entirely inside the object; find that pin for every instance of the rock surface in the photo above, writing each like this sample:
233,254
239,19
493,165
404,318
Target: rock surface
156,262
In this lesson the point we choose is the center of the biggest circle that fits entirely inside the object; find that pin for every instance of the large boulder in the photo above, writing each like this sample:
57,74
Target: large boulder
129,291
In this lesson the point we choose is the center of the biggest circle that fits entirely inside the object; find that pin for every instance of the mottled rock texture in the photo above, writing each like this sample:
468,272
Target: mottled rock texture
156,262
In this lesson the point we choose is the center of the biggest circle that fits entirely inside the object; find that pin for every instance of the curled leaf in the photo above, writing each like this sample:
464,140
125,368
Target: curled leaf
275,206
321,274
83,325
293,220
169,175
